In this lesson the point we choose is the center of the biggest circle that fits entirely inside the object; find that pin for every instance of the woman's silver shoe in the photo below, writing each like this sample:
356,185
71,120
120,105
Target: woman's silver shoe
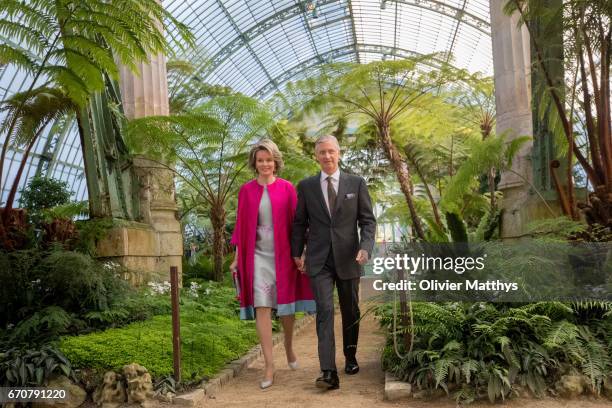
263,384
293,365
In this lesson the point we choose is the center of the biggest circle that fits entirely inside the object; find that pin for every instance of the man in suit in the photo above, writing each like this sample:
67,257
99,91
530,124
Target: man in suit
331,206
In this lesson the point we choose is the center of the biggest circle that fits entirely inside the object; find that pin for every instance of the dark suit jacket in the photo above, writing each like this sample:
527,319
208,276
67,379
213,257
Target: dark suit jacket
314,227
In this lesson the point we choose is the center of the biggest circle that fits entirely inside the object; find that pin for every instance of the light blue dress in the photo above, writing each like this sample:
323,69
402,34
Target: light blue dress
264,277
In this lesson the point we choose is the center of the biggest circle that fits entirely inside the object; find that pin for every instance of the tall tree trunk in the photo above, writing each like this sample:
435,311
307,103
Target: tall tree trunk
434,207
404,313
402,173
217,219
491,182
486,126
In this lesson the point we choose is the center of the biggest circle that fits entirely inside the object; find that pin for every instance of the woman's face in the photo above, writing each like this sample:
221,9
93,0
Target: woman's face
264,163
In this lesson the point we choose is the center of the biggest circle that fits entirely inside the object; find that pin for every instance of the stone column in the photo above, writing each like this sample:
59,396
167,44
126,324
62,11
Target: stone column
512,71
147,94
512,62
150,246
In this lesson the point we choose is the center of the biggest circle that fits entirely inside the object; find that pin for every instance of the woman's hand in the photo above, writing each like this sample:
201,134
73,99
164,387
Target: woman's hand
233,266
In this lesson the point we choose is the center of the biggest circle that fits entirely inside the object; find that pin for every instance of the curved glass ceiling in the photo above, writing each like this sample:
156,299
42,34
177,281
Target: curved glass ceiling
257,46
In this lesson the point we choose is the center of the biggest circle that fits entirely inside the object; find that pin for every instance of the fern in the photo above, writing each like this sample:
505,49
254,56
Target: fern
562,333
596,359
485,349
48,322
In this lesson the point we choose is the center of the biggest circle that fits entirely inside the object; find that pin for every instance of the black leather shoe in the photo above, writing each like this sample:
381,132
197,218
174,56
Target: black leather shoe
351,367
328,381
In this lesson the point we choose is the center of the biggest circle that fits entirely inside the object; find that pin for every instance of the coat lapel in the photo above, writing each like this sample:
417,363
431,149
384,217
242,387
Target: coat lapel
341,192
320,197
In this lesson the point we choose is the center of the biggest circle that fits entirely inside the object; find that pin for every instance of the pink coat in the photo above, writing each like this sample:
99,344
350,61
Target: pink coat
293,288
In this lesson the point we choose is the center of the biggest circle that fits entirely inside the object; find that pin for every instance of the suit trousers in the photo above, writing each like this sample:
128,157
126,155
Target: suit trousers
322,285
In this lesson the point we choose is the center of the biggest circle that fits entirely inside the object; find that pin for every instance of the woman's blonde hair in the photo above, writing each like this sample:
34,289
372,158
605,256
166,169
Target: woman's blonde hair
270,147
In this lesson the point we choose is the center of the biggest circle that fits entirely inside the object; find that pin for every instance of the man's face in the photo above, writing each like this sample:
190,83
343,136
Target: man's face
327,155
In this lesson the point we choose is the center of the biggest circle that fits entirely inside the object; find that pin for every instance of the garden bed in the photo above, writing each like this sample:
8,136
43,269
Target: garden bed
496,351
211,336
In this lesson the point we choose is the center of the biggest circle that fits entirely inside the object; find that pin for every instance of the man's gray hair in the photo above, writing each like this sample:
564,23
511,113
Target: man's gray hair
327,138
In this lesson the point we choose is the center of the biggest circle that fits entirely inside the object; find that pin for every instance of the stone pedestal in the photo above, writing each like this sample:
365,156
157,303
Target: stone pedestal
149,247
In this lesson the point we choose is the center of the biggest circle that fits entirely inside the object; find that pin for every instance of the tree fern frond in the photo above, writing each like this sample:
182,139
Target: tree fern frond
76,86
100,56
17,57
23,35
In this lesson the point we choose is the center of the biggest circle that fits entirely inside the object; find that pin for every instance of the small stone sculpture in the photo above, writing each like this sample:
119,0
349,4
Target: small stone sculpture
139,384
111,392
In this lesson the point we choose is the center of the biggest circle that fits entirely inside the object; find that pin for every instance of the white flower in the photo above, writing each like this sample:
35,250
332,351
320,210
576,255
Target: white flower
159,288
193,289
110,265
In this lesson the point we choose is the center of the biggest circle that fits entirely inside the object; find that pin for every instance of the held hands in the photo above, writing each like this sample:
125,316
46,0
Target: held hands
299,262
362,257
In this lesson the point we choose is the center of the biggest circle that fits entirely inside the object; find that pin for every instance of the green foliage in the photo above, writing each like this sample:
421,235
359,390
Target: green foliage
73,43
486,350
456,227
42,193
29,112
65,211
185,89
91,232
50,293
211,336
298,159
32,367
221,130
493,152
202,269
564,229
42,325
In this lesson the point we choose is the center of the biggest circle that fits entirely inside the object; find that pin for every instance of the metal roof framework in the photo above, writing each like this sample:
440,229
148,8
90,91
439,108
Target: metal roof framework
258,46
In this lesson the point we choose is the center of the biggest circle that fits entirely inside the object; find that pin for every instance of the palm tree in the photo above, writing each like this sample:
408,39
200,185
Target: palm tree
382,92
206,147
32,112
73,46
478,101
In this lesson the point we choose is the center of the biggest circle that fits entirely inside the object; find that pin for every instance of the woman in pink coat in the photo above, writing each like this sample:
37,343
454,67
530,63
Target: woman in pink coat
267,276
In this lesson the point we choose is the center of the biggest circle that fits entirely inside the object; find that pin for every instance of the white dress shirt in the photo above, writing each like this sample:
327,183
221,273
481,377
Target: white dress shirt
335,182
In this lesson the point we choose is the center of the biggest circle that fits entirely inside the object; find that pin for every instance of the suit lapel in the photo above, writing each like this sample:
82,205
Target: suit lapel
320,197
341,192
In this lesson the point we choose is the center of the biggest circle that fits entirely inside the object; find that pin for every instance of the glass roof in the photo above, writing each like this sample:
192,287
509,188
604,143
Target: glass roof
257,46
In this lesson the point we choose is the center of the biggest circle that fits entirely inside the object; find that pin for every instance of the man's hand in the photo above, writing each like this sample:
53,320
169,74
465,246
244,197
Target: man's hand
299,262
362,257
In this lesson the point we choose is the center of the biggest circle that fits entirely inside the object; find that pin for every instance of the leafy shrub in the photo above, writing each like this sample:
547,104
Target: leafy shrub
32,367
203,268
486,350
41,193
51,293
44,324
73,281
